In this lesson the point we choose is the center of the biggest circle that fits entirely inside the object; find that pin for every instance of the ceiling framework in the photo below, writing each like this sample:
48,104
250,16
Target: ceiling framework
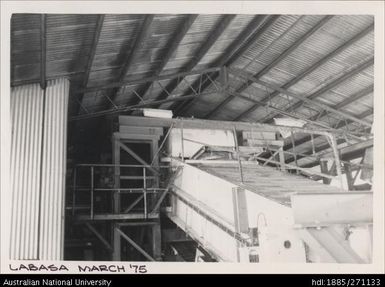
98,29
155,80
312,68
213,36
247,38
172,46
250,68
132,54
360,68
267,68
310,99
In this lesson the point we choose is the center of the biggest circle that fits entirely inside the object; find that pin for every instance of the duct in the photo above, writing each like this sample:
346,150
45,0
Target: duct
38,157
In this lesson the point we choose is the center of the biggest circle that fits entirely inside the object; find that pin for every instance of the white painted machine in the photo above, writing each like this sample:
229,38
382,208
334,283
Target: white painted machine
240,205
241,211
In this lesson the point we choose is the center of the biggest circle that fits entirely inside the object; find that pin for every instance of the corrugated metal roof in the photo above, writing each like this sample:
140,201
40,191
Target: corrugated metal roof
70,39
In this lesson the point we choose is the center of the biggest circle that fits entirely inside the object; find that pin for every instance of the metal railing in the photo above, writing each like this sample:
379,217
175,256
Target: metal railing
282,153
150,194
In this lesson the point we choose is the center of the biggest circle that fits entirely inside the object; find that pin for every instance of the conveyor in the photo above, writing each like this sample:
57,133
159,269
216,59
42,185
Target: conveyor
233,192
272,216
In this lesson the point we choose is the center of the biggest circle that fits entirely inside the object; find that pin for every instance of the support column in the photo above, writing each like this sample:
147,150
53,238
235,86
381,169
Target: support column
116,155
156,242
349,177
241,222
116,255
282,158
337,161
324,169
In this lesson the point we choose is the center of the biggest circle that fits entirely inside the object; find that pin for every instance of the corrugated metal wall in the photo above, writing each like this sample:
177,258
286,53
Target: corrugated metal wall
53,173
38,180
27,116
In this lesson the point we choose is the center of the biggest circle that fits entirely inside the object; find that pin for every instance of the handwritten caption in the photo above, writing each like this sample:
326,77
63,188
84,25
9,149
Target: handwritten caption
81,268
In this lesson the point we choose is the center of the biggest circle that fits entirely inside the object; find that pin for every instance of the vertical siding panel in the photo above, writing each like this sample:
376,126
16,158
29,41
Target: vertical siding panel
36,167
61,206
53,187
21,186
15,109
25,177
38,225
26,109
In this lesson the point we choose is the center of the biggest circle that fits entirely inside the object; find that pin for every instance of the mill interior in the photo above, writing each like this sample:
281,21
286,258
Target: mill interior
210,138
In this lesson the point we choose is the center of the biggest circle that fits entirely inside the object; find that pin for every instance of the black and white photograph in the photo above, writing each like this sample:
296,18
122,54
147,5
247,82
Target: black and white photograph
183,136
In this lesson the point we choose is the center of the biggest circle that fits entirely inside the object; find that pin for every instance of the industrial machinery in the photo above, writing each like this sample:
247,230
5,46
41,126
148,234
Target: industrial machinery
229,190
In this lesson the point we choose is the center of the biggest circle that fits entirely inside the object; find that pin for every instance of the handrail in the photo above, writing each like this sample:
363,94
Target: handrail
145,190
116,165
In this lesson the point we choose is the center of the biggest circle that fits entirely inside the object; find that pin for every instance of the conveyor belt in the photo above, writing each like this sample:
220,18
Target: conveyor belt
266,181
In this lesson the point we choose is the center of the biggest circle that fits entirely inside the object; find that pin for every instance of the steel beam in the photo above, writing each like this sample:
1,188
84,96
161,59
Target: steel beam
310,100
332,85
133,204
139,41
210,41
240,45
324,169
132,107
346,153
321,148
172,45
99,236
247,38
288,51
312,68
121,216
351,150
156,242
137,157
95,41
134,244
279,111
338,126
349,177
351,99
271,65
147,79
